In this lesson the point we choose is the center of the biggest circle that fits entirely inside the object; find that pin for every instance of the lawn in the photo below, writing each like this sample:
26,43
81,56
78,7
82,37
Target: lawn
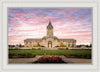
52,52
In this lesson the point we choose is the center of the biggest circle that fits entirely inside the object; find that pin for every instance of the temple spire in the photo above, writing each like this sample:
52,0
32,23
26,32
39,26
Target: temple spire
49,25
49,29
49,21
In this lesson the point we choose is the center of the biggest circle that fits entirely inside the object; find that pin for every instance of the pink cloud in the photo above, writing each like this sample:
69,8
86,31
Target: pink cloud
22,14
11,21
33,25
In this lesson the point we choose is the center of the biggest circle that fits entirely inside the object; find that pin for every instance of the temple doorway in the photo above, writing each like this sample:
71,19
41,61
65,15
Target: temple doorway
49,44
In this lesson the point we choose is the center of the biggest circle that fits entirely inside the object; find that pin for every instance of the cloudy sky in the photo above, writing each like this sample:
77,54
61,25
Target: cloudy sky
73,23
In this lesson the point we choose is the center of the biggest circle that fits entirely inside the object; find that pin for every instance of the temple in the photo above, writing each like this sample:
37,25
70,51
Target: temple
50,41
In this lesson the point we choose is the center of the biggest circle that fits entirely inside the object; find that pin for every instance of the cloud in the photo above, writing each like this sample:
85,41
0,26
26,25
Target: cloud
67,22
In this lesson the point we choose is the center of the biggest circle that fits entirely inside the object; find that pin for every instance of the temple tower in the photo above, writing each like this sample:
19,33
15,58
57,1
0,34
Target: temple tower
49,29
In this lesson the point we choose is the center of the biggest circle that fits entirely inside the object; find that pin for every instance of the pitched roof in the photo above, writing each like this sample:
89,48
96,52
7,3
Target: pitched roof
66,39
33,39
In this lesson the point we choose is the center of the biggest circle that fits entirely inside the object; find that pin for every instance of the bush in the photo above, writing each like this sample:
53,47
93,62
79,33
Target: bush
39,48
33,48
23,55
42,46
66,48
56,46
78,56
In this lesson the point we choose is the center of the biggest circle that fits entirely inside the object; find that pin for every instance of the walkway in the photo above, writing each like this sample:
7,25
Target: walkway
31,60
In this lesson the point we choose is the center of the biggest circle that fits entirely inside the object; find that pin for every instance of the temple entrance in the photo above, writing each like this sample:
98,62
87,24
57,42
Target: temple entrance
49,44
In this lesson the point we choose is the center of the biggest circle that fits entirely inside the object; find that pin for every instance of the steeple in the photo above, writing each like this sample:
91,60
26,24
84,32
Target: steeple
49,25
49,29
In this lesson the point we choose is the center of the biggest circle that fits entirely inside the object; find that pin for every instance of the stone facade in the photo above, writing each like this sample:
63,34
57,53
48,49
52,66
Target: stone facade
50,41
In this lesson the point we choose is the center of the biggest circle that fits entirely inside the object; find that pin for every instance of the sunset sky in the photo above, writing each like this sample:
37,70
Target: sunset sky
71,23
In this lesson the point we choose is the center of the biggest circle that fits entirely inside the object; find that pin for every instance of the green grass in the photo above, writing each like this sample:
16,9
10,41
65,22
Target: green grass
53,52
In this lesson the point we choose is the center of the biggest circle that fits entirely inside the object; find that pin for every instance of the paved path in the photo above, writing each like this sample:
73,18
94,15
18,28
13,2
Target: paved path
22,60
76,60
31,60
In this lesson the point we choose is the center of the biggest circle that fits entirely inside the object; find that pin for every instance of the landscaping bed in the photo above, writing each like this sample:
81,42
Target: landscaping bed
78,56
17,55
50,59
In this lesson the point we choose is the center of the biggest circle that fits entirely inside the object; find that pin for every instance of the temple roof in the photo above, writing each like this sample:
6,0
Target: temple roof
49,25
50,37
32,39
67,39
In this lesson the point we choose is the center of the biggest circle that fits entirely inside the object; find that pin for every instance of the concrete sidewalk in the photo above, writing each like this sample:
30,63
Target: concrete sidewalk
67,60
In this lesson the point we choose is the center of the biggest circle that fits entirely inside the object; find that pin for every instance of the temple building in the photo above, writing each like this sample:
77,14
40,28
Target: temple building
50,41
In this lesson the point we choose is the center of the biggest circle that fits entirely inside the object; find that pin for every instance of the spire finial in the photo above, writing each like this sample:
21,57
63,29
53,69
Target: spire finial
49,25
49,21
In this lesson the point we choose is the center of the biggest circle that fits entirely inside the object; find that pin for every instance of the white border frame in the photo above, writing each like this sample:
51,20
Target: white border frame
94,66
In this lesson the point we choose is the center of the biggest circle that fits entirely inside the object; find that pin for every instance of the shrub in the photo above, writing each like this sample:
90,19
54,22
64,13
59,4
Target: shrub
42,46
33,48
66,48
77,56
56,46
39,48
22,55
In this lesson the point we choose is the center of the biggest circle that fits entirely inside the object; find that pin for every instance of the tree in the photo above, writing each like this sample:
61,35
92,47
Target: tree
87,46
9,45
20,45
13,45
90,45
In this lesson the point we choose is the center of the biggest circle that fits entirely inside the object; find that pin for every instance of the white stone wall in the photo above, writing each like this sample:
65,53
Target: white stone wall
55,42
